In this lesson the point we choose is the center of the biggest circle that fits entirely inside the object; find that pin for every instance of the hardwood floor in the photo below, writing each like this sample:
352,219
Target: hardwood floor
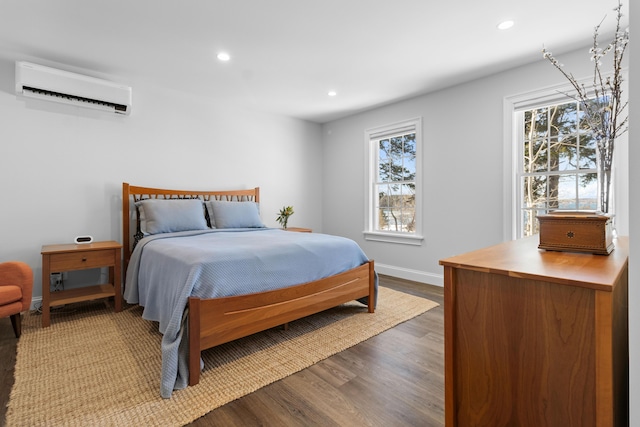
393,379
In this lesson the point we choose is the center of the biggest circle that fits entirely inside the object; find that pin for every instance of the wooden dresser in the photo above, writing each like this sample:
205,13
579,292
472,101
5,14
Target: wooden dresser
536,338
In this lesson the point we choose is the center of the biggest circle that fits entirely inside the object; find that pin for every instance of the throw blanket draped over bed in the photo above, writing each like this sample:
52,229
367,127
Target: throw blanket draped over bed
166,269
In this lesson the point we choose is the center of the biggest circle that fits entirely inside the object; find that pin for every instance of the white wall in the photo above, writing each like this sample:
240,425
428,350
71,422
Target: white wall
62,168
463,177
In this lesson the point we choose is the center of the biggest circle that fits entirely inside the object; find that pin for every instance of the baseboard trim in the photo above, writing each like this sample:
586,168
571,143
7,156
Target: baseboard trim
408,274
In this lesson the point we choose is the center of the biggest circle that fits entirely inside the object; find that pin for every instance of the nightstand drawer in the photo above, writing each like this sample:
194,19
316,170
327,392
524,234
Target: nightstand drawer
81,260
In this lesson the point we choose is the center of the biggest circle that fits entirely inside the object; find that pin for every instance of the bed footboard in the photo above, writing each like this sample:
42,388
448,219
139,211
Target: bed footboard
219,320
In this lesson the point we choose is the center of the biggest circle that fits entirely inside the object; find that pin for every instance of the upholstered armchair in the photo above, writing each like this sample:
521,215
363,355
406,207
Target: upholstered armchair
16,287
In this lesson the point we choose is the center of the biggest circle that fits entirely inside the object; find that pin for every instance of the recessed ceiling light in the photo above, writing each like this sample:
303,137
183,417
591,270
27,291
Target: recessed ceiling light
223,56
505,25
332,93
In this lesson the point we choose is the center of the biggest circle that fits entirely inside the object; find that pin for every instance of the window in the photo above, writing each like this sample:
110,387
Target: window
393,193
550,160
557,167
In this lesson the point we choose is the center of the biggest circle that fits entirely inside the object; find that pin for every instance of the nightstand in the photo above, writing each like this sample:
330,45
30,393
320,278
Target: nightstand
69,257
298,229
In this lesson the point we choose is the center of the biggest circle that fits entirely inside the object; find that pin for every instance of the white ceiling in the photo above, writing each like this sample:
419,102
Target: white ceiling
287,54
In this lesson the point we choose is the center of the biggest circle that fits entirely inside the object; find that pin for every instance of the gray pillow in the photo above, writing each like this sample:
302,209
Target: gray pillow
235,214
167,216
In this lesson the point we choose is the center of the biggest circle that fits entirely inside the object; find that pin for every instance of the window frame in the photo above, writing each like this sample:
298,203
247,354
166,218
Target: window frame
371,136
512,159
521,174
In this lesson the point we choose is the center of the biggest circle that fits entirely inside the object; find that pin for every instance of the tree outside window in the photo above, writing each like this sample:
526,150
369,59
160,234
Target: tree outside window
558,163
395,186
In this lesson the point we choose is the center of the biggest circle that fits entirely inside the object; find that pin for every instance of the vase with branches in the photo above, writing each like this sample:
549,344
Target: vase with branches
601,102
283,216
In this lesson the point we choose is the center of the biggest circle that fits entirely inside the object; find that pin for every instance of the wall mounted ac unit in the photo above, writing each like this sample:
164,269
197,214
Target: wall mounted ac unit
38,81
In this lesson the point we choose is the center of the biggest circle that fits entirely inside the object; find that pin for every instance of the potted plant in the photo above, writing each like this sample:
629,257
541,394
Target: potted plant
284,215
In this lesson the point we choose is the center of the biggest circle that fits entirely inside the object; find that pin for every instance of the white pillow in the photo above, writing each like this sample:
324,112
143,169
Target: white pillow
170,215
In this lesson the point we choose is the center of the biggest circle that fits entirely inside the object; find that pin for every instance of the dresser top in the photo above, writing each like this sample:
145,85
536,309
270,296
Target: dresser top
521,258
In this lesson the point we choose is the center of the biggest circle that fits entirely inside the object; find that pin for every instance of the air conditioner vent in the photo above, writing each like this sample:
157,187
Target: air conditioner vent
45,94
37,81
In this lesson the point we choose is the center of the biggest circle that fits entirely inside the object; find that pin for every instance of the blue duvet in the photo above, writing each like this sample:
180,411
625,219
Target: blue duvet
166,269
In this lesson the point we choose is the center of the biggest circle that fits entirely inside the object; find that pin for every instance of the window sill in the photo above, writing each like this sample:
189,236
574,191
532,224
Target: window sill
404,239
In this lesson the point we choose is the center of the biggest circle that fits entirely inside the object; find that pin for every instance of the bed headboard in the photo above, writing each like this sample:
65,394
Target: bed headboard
132,194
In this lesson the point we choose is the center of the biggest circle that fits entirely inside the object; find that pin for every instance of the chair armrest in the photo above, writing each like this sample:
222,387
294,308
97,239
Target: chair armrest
18,273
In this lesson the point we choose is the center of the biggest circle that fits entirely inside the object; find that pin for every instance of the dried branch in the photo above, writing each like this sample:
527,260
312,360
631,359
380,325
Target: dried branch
602,102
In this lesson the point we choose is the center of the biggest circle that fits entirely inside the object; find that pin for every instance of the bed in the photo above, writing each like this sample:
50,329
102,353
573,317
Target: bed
196,277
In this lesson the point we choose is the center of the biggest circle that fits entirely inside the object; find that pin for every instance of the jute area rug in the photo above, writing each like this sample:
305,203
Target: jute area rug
96,367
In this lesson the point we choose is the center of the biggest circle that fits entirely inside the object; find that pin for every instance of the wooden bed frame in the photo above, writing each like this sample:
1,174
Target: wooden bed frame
219,320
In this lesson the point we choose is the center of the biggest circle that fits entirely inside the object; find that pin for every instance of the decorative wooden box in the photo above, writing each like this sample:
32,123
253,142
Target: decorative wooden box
576,231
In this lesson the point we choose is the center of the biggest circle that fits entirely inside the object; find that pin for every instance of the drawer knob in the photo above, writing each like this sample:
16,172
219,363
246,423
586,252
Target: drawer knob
84,259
